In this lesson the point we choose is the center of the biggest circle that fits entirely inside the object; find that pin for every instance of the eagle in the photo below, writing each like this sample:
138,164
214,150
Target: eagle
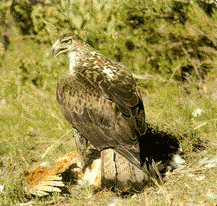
100,99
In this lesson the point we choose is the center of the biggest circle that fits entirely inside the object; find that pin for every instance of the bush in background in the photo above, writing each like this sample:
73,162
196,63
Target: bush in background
174,38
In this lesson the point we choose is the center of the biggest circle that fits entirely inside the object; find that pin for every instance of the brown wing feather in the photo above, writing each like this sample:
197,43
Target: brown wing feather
121,89
109,114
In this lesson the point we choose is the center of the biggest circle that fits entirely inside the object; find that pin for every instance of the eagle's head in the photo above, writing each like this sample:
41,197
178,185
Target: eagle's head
66,44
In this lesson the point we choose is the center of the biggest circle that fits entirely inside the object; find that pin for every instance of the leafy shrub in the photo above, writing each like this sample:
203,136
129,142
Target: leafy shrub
174,38
21,12
167,37
4,39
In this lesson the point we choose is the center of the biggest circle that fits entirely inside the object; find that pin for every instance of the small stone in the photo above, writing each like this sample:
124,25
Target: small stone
211,195
191,175
44,164
200,178
1,188
197,112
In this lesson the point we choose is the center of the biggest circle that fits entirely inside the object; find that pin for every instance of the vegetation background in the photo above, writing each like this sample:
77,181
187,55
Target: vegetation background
170,46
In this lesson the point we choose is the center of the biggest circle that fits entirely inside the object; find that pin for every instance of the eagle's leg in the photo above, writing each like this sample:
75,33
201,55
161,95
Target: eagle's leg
81,147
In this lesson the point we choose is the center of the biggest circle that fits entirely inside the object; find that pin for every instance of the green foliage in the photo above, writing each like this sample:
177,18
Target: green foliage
4,8
15,192
171,38
4,40
21,12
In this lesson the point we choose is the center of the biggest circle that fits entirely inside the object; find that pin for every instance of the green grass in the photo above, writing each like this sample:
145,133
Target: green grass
31,121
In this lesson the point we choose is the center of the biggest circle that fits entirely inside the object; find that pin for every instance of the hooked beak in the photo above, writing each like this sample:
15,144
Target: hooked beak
57,49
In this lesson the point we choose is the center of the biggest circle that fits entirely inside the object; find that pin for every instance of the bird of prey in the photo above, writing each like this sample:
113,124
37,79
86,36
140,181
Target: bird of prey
99,97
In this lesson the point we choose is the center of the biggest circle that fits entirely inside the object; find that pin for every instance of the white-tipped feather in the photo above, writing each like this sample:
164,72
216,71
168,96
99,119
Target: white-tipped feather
48,189
54,183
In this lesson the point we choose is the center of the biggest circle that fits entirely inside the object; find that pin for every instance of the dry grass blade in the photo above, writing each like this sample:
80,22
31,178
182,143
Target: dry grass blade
192,61
197,127
49,148
157,171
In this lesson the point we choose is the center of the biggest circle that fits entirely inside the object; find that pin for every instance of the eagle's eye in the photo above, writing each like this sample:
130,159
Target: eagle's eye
67,41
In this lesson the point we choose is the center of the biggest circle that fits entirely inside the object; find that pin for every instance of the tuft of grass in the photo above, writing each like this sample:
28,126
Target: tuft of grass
170,107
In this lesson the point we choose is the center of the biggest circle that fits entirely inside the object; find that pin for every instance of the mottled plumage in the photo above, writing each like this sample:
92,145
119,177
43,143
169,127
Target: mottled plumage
100,99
